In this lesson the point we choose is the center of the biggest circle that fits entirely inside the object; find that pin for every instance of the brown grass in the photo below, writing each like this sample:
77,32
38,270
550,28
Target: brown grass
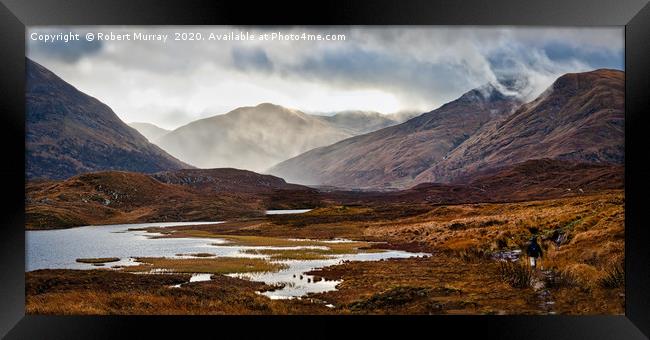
315,254
218,265
291,254
614,277
440,284
582,238
517,274
198,255
99,260
328,248
95,292
473,254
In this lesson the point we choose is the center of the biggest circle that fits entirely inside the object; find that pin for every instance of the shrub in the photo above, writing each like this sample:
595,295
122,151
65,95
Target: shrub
490,223
502,243
390,298
517,274
559,279
585,276
473,254
457,226
614,277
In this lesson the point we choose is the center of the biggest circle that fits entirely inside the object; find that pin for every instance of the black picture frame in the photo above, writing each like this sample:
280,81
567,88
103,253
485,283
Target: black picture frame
633,14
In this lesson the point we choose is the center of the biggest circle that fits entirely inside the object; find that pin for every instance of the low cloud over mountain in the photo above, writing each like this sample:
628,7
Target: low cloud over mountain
579,118
151,131
252,138
383,69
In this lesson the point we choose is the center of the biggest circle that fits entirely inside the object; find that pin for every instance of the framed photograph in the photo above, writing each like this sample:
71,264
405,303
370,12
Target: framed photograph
291,169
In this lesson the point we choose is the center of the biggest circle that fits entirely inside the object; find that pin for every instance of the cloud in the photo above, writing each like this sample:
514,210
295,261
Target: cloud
251,59
375,68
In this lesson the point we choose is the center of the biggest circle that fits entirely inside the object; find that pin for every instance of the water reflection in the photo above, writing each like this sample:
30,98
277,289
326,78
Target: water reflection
51,249
287,212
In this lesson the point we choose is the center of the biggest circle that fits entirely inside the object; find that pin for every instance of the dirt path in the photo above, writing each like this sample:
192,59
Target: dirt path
538,282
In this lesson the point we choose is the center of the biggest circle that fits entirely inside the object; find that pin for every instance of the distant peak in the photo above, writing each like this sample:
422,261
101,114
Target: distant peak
489,92
265,109
256,108
358,113
269,106
513,83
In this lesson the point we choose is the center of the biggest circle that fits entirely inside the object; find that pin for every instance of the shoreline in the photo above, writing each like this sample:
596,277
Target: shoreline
583,238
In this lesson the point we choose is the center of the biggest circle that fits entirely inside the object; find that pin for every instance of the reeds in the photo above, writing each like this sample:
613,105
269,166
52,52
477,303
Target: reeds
473,254
614,277
517,274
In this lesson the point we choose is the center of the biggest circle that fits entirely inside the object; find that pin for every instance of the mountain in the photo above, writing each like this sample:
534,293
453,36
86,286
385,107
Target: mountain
402,116
258,137
394,156
226,180
69,132
150,131
360,122
113,197
580,117
525,181
535,179
251,138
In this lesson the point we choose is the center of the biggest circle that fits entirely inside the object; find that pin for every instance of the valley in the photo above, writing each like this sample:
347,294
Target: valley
270,210
460,271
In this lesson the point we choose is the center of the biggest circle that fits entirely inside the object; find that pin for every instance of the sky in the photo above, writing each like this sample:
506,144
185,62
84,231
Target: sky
386,69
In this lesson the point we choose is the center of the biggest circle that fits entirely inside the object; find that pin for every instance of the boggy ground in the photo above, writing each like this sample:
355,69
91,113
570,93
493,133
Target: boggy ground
100,292
444,284
582,237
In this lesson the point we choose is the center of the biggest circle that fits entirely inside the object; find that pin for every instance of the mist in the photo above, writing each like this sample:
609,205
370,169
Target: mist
252,138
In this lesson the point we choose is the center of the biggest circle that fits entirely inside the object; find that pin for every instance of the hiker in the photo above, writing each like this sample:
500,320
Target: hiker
534,251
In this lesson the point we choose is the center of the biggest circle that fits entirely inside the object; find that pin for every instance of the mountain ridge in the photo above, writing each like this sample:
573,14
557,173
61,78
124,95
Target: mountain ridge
251,137
150,131
390,156
69,132
579,118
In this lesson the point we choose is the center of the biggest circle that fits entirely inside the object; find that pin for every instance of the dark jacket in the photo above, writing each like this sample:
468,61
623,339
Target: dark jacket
534,249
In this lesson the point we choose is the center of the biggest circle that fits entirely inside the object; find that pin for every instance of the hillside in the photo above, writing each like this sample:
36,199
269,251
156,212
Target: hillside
360,122
393,156
69,133
217,194
530,180
252,138
579,118
188,195
150,131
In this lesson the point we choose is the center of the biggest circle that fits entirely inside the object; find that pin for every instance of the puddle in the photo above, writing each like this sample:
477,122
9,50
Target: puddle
297,283
200,277
507,255
287,212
